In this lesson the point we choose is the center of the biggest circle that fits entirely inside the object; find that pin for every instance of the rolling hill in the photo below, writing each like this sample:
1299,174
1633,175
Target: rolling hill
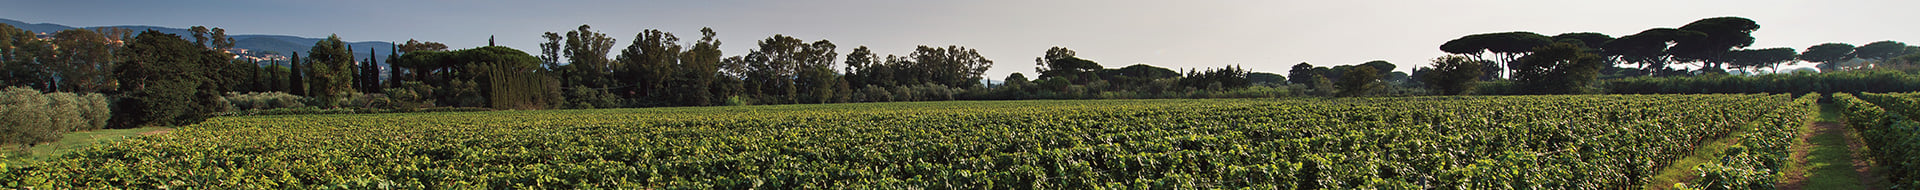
278,44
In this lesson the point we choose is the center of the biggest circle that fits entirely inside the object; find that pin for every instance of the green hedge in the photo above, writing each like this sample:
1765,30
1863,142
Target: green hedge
1852,82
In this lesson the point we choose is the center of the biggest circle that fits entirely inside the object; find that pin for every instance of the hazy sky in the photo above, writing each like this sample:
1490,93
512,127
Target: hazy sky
1264,36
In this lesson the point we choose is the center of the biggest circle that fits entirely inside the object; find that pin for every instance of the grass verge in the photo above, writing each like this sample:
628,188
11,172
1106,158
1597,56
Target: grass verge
73,141
1682,170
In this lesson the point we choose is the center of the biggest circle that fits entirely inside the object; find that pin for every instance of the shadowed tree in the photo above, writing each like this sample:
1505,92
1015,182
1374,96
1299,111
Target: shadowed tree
1754,59
1301,74
297,75
1359,81
332,69
1453,75
83,61
1504,47
1880,50
647,63
1828,55
698,70
1061,62
1560,68
1723,34
1649,49
163,83
1590,40
586,53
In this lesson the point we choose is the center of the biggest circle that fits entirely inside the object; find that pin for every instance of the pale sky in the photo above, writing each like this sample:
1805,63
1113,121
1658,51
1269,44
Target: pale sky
1266,36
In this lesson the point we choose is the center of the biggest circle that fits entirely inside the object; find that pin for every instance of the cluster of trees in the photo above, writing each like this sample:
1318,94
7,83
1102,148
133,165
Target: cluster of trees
1064,75
155,78
1571,62
1346,80
28,116
165,79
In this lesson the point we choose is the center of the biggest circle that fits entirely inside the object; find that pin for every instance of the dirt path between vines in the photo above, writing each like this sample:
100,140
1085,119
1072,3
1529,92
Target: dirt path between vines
1823,164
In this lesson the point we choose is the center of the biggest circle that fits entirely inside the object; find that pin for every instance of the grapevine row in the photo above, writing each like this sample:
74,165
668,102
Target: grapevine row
1505,142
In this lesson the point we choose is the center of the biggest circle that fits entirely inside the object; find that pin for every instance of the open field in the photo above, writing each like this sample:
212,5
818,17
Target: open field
1493,142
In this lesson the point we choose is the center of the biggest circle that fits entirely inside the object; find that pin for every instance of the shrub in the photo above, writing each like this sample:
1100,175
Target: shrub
28,117
263,100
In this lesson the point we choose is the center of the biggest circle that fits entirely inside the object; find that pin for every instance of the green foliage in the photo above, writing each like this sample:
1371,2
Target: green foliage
1770,57
165,81
263,100
1799,82
1763,152
1560,68
1722,34
28,117
1453,75
581,97
1880,50
1359,81
1885,124
1061,62
1266,79
1828,54
332,70
1581,142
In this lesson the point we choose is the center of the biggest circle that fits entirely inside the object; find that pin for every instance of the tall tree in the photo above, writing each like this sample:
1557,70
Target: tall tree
1453,75
1590,40
1503,47
698,70
163,83
370,72
550,56
1301,74
1359,81
297,75
1880,50
953,66
416,45
221,41
1061,62
332,69
586,53
393,69
648,63
1829,55
1560,68
84,61
1723,34
1649,48
199,35
1753,59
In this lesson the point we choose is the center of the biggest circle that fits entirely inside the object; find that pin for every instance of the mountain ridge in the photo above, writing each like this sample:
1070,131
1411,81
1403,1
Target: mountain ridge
277,44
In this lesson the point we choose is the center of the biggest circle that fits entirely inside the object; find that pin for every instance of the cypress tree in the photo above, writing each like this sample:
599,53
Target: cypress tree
370,72
296,82
393,71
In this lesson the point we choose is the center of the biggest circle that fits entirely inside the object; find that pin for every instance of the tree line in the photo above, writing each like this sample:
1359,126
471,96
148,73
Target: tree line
1572,63
155,78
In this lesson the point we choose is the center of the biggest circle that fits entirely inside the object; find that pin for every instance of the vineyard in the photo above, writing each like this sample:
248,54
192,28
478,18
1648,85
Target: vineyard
1886,123
1494,142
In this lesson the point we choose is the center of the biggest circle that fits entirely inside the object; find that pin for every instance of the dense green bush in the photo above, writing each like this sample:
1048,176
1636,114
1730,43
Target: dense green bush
1851,81
28,116
263,100
1886,126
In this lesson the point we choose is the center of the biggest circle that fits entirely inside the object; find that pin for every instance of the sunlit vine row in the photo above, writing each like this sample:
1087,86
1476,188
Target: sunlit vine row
1508,142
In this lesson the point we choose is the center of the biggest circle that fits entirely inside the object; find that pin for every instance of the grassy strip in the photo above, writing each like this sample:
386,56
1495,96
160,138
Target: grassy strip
1828,164
1682,170
71,142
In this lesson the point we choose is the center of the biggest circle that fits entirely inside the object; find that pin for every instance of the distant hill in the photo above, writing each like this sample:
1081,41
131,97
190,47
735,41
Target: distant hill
279,44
